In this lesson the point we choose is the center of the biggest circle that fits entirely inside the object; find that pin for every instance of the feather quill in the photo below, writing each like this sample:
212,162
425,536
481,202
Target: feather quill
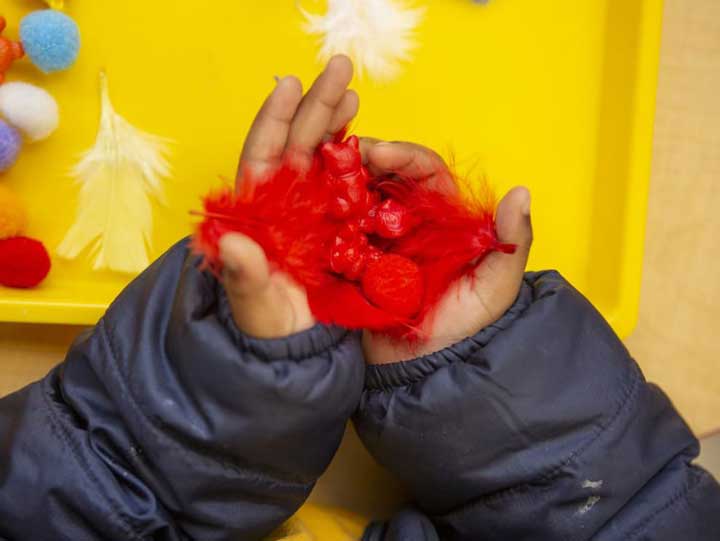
119,176
377,34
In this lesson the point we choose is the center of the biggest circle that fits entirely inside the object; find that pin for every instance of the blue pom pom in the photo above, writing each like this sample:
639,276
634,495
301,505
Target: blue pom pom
51,39
10,143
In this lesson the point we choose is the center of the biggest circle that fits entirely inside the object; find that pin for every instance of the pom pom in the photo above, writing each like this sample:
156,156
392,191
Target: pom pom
13,217
24,262
51,39
376,34
30,109
10,51
10,143
394,283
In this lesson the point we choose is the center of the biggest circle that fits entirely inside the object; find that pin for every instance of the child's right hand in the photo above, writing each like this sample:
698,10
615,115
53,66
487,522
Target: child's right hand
265,304
474,302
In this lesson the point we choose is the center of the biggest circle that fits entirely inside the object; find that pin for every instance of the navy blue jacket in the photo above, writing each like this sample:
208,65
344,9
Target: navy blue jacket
166,423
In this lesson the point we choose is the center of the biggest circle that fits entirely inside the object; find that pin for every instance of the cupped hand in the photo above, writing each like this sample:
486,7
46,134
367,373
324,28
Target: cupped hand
269,304
472,303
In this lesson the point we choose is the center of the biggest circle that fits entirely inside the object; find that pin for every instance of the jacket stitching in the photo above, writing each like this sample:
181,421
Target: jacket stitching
87,469
643,526
554,471
281,478
269,358
628,395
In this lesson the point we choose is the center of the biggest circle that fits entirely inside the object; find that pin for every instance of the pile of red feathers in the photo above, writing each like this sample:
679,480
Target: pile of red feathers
372,253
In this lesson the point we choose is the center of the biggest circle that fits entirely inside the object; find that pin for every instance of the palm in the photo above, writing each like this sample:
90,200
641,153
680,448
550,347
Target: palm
473,302
269,304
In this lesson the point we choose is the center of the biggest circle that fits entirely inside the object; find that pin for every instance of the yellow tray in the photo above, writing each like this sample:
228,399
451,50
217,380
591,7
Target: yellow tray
555,95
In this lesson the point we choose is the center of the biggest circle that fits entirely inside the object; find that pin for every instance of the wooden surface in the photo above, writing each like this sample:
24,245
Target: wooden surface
677,341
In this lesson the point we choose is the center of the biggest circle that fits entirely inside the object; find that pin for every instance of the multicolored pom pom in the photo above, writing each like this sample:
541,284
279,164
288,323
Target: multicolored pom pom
51,39
30,109
10,144
24,262
13,216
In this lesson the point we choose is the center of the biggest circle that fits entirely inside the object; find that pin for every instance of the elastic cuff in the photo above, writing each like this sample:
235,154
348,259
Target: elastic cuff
387,376
296,347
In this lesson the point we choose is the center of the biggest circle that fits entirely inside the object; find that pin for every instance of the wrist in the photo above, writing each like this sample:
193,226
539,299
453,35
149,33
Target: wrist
380,349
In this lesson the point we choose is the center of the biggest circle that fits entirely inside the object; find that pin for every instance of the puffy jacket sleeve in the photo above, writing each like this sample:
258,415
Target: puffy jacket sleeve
166,423
539,427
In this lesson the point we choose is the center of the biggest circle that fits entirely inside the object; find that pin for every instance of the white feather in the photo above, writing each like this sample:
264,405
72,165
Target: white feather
118,178
377,34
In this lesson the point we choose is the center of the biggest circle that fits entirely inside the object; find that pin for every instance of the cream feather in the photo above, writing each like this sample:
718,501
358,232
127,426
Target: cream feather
377,34
118,176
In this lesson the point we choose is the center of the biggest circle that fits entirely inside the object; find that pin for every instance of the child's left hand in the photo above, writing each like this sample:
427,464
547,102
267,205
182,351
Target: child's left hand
265,304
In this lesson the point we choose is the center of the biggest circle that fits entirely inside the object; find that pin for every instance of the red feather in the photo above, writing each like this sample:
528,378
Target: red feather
371,253
286,214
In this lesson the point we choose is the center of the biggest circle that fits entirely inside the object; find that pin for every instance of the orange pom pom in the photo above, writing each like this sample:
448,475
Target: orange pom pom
13,217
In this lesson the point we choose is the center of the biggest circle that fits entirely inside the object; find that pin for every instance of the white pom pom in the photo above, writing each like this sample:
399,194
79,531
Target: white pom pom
30,109
376,34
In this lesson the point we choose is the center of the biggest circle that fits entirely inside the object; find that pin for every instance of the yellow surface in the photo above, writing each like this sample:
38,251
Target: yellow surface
676,339
555,95
313,523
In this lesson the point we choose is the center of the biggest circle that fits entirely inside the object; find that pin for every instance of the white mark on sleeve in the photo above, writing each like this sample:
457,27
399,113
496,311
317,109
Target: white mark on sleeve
592,484
589,504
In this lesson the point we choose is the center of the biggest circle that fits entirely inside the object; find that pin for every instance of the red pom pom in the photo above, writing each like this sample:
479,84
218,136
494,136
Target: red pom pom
394,283
24,262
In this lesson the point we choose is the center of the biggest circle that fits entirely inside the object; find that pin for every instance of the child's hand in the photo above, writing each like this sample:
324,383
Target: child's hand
470,304
265,304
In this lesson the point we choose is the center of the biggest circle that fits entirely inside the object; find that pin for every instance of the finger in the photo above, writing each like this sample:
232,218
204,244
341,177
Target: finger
404,159
408,160
366,143
500,274
313,118
268,135
345,112
258,305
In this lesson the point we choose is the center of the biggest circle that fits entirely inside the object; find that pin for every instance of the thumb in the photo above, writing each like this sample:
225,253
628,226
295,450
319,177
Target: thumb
513,223
258,304
500,275
245,267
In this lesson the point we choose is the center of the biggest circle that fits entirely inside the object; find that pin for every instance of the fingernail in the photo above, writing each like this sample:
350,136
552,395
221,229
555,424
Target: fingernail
526,204
383,144
230,264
